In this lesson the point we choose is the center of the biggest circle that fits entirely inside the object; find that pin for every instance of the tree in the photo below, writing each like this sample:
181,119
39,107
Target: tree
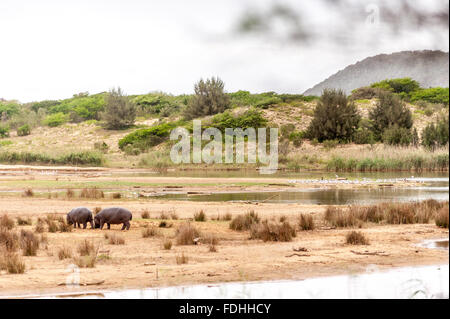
335,117
436,134
209,99
389,111
119,112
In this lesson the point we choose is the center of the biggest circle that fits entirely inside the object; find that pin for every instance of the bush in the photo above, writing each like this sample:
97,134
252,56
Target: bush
24,130
29,243
356,238
56,119
296,138
433,95
186,233
436,134
306,222
6,222
9,240
244,222
388,112
398,136
145,214
272,232
119,112
250,118
182,259
209,99
167,244
101,146
23,221
116,240
363,136
335,118
145,138
200,216
64,252
442,216
4,131
401,85
12,263
365,93
86,248
149,232
92,193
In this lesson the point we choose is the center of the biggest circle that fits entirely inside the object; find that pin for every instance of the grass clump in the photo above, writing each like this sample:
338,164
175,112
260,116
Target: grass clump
182,259
24,221
186,233
29,243
86,248
92,193
441,218
9,240
306,222
116,240
11,262
149,232
64,253
244,222
356,238
7,222
145,214
338,217
273,231
200,216
167,244
28,192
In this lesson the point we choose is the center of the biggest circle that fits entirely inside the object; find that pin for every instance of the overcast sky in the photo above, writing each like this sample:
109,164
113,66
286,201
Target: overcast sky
53,49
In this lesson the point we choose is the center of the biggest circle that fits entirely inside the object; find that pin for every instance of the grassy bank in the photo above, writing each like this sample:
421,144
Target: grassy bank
74,158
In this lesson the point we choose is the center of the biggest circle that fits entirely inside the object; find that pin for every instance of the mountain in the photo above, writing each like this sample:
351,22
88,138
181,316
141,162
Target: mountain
429,68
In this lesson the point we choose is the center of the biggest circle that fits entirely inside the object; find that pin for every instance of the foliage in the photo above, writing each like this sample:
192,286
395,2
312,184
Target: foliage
401,85
119,111
436,134
24,130
56,119
334,117
209,99
389,111
250,118
76,158
398,136
147,137
365,92
4,131
432,95
160,103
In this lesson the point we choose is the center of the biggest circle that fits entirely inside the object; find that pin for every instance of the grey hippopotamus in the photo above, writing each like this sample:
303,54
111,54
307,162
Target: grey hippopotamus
80,215
113,215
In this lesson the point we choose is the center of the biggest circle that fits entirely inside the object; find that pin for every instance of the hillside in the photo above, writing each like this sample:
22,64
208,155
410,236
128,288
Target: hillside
429,68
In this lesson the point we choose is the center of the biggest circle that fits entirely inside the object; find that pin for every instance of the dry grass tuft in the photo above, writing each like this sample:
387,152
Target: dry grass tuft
24,221
86,248
441,217
116,195
116,240
182,259
64,252
151,231
200,216
356,238
6,222
29,243
92,193
272,232
186,233
145,214
244,222
11,262
9,240
338,217
306,222
28,193
167,244
70,193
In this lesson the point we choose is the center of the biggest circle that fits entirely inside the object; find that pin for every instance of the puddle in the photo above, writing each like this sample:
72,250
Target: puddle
400,283
435,244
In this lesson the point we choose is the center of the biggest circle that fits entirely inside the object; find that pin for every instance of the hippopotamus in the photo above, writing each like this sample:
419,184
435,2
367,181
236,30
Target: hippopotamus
80,215
113,215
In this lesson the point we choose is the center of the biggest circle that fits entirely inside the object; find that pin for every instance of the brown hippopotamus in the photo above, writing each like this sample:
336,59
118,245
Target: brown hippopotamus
80,215
113,215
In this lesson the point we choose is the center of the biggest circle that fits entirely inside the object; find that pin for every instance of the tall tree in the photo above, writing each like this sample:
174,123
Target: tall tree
119,112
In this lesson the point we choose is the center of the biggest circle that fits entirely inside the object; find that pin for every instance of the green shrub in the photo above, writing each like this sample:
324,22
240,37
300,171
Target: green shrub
401,85
398,136
56,119
120,111
365,93
432,95
24,130
209,99
76,158
436,134
296,138
389,111
363,136
335,118
328,144
4,131
145,138
250,118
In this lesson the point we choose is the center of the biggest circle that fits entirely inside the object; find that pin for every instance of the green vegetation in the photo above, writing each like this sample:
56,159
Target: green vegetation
436,134
4,131
250,118
335,117
389,111
209,99
432,95
56,119
24,130
76,158
401,86
119,111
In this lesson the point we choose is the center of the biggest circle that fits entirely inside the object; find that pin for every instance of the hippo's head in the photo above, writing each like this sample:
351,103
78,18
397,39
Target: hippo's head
69,220
96,222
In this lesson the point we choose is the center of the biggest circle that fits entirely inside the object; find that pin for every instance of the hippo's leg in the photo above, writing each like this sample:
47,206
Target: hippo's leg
79,226
101,224
84,225
92,224
109,226
126,225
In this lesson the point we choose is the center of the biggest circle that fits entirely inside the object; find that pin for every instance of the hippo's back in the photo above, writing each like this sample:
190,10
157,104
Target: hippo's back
115,214
80,212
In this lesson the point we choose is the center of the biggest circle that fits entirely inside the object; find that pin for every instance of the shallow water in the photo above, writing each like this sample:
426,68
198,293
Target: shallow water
434,188
407,282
